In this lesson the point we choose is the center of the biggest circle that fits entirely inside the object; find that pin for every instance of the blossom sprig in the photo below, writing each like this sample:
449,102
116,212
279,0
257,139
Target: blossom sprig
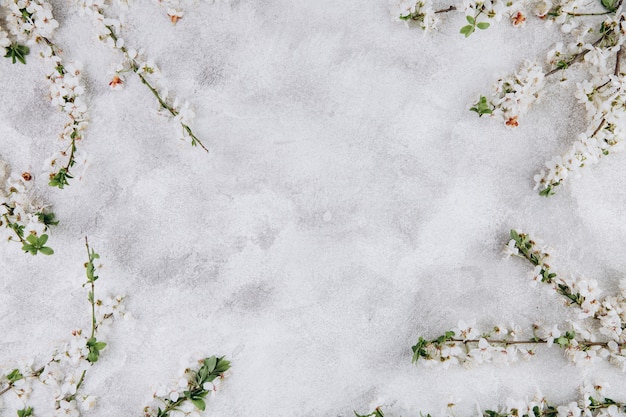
187,396
12,50
609,314
420,13
513,95
22,212
592,402
481,14
604,98
33,22
63,375
108,30
603,95
468,346
579,291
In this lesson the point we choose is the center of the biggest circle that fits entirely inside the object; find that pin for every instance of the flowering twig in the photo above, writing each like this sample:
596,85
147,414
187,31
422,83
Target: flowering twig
108,31
593,402
609,313
23,213
468,346
190,391
65,372
32,20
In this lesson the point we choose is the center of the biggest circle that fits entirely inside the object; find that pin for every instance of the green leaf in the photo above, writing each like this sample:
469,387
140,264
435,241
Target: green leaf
60,178
46,250
547,192
609,5
467,30
470,20
47,219
14,376
210,363
483,25
222,365
17,53
93,356
199,403
25,412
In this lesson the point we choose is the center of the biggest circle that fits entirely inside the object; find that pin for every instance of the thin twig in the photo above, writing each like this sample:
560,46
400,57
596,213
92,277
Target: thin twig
578,57
449,9
162,102
527,342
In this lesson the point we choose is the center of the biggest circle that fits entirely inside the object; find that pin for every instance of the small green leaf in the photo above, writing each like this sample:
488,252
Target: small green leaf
14,376
17,53
25,412
467,30
483,25
93,356
547,192
210,363
609,5
46,250
199,403
470,20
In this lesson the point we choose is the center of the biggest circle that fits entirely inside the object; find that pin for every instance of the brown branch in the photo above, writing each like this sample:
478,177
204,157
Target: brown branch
578,57
449,9
527,342
618,58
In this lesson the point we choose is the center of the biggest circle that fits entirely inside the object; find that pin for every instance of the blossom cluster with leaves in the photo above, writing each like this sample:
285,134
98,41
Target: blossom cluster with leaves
25,217
583,342
108,30
600,51
606,336
62,376
186,397
593,402
31,22
596,45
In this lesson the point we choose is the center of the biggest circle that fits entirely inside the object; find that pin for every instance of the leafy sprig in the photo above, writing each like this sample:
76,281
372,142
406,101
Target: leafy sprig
482,107
593,406
467,30
36,244
199,384
378,412
93,344
17,53
32,243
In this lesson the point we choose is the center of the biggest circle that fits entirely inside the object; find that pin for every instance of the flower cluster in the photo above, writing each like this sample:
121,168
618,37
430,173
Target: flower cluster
66,92
481,13
25,215
63,375
604,98
608,314
592,402
186,396
108,30
513,95
32,21
468,346
420,13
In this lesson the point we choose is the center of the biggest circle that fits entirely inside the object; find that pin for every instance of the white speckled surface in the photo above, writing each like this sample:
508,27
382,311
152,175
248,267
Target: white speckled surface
349,204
